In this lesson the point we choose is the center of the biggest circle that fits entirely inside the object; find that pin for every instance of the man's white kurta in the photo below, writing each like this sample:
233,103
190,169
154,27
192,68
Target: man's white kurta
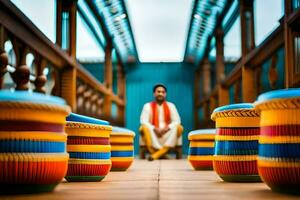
170,138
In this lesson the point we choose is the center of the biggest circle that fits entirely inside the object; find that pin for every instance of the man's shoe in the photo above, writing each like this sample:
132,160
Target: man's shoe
150,158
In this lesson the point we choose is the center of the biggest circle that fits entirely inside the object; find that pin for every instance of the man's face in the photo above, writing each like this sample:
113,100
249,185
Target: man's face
160,94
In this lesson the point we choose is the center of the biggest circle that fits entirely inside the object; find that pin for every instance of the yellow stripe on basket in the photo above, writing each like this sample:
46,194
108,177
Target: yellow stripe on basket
279,139
202,144
200,158
236,138
33,157
120,159
280,117
35,136
88,148
202,137
115,139
235,158
33,115
122,148
123,134
88,132
269,163
90,161
222,122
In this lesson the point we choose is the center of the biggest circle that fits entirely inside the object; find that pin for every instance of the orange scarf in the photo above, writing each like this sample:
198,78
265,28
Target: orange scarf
155,114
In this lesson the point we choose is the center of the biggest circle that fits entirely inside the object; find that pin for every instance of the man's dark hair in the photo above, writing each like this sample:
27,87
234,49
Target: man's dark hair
159,85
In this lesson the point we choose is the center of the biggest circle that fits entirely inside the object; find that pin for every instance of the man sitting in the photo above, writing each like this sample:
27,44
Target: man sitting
160,121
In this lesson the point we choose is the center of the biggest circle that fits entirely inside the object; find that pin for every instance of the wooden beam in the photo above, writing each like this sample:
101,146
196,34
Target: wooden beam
108,78
121,92
223,94
196,98
72,32
248,43
206,74
288,46
220,66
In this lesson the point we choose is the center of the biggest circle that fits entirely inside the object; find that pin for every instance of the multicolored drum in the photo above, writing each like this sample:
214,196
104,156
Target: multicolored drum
279,143
201,148
33,155
236,146
122,151
89,148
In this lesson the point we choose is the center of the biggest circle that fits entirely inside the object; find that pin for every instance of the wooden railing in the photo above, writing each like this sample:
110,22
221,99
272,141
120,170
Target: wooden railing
66,77
234,80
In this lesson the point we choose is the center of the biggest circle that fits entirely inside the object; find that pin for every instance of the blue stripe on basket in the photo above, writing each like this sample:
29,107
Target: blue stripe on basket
121,153
201,151
90,155
242,145
236,152
32,146
280,150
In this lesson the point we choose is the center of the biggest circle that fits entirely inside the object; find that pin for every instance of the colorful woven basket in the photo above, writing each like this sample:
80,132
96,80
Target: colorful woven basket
279,143
201,148
33,154
89,148
236,146
122,151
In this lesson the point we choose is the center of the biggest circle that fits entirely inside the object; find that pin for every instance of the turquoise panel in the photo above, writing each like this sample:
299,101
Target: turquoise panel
179,79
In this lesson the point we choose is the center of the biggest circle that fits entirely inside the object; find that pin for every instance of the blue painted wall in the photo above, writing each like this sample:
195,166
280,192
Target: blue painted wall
178,77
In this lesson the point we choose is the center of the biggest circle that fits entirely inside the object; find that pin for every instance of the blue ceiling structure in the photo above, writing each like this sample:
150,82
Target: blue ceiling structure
203,23
111,14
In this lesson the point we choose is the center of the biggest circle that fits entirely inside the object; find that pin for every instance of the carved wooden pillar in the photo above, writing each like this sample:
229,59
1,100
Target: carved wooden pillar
67,9
248,43
3,57
220,66
121,92
206,70
21,75
288,46
41,79
108,76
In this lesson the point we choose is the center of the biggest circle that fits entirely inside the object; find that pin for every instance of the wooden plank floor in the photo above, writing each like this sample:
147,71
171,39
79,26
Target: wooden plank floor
163,179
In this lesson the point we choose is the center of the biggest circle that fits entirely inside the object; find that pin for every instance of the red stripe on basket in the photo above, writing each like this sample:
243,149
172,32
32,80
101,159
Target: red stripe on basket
235,167
121,164
202,163
88,169
279,175
237,131
32,172
6,125
283,130
87,140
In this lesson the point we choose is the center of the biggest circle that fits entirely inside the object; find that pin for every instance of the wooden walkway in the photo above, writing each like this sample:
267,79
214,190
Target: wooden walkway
164,179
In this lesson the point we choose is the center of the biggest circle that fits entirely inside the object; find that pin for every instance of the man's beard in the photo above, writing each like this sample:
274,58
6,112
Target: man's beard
160,99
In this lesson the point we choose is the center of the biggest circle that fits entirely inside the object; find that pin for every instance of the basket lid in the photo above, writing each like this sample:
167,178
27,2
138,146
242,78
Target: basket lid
85,119
278,94
206,134
29,96
234,107
122,131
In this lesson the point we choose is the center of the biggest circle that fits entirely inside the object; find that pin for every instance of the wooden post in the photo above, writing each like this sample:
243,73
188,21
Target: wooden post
108,75
196,99
223,94
121,92
220,66
3,56
288,46
40,79
206,71
248,43
68,75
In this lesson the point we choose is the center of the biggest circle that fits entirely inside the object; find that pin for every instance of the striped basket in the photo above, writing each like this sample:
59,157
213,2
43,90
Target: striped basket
279,143
89,149
122,151
33,154
201,149
236,147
